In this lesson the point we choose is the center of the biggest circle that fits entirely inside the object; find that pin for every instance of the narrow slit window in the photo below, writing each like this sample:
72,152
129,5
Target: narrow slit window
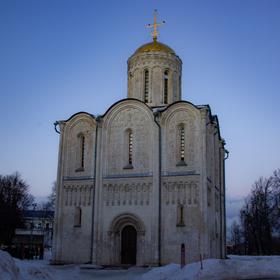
77,217
180,217
181,214
130,139
180,82
182,143
165,86
128,149
146,86
82,151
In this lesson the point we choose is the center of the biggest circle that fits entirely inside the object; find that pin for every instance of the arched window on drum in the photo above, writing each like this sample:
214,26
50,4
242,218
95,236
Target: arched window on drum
165,86
146,86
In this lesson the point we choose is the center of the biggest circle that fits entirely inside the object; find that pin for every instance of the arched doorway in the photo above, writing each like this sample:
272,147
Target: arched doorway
126,237
128,245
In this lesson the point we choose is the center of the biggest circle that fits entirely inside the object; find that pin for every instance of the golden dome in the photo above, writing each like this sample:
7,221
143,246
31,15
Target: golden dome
154,46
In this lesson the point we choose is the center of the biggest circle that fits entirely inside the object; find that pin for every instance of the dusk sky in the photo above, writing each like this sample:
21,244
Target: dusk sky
62,57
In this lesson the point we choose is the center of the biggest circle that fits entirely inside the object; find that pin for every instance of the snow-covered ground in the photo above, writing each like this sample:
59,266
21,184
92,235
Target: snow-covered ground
14,269
236,267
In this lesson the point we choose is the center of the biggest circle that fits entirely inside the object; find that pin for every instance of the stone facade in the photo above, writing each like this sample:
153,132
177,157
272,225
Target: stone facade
136,183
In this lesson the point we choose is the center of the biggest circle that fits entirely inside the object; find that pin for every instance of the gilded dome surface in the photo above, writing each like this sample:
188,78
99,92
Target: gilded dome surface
154,46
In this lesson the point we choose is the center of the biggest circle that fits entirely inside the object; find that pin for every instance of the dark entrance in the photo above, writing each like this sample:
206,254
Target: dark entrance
128,245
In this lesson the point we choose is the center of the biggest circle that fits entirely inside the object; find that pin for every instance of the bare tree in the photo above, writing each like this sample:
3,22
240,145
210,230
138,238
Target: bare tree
236,237
276,195
49,205
14,198
260,215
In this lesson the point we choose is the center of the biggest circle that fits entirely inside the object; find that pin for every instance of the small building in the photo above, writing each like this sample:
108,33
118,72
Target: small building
35,235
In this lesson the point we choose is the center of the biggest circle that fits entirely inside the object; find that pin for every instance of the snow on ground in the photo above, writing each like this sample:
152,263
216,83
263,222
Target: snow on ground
8,268
15,269
236,267
33,270
162,273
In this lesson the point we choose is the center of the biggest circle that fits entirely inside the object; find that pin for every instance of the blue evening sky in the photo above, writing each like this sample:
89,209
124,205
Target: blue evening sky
58,57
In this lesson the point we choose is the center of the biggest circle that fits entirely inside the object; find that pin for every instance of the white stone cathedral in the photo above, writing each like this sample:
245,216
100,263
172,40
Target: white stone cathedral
143,180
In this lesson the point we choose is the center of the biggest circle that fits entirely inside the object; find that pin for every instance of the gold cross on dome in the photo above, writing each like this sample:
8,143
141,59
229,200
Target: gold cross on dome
155,25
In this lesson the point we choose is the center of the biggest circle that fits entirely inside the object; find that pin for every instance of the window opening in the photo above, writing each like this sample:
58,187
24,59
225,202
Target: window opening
181,146
78,217
180,216
128,147
180,82
182,143
146,86
81,152
82,143
165,86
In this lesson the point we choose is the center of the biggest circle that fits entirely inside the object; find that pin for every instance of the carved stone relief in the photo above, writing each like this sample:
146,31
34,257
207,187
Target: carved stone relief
78,195
117,194
182,192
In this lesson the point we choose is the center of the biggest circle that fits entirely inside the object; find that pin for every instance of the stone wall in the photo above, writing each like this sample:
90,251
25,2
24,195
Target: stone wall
113,193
